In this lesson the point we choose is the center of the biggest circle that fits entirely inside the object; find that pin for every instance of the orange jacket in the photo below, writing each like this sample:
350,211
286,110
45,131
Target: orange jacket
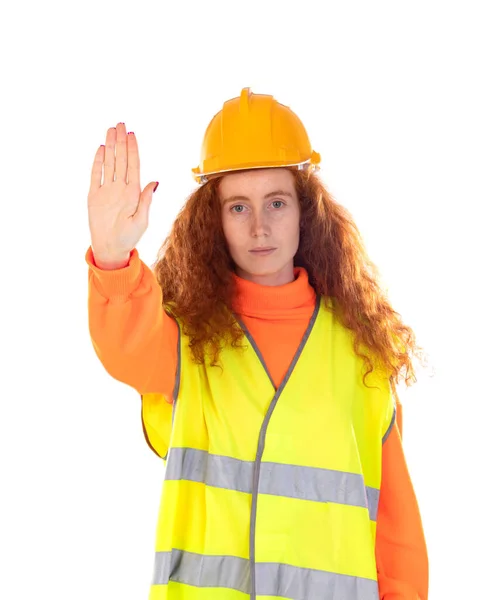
136,341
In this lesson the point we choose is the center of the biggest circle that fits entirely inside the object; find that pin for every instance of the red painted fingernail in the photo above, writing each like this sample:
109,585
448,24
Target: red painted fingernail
154,189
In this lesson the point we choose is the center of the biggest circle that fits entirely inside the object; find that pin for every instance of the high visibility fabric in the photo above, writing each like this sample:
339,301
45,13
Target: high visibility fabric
272,493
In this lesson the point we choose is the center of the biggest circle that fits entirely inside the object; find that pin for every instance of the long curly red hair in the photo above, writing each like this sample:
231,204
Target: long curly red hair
194,269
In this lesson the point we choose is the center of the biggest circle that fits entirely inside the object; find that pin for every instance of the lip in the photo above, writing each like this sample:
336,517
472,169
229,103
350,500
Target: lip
262,251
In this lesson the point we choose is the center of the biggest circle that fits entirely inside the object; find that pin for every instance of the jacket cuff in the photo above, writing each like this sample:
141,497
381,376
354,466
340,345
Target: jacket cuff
116,284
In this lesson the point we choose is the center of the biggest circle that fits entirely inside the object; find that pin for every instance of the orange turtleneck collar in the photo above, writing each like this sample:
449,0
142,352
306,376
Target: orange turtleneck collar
291,300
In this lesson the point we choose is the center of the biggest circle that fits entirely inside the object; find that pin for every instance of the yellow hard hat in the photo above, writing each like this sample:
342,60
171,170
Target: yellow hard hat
254,131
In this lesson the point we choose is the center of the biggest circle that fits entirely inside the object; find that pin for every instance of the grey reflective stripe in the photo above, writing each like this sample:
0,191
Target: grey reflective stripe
256,350
217,471
176,388
373,495
285,581
318,485
392,422
273,579
304,483
201,570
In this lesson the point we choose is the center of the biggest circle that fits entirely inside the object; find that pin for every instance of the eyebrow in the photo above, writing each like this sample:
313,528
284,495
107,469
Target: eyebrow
269,195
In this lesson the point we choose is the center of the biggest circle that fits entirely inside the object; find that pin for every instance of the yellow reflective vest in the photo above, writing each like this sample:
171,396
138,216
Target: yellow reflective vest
271,492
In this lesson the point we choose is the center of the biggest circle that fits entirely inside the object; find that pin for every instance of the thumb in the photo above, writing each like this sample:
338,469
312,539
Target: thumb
145,201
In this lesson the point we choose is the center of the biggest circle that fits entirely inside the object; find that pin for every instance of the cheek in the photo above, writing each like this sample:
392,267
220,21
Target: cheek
292,237
231,233
289,228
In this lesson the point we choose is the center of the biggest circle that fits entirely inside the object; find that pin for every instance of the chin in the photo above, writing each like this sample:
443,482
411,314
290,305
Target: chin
261,271
266,270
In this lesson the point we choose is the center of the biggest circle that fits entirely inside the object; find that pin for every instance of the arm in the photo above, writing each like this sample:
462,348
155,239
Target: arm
133,337
401,552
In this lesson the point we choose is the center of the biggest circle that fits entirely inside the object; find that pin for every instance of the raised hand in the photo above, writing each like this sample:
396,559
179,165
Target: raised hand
118,210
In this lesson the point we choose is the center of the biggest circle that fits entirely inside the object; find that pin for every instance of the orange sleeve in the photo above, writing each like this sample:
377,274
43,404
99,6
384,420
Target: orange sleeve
133,337
401,551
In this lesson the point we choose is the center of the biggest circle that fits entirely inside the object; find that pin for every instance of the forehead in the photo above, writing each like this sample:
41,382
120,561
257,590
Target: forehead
256,182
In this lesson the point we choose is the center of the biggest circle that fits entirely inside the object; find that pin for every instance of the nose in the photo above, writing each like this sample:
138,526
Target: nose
259,226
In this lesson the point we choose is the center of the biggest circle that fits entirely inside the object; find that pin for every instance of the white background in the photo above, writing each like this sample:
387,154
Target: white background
392,97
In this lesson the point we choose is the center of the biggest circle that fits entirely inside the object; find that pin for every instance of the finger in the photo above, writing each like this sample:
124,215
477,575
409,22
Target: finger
109,155
97,170
146,198
133,160
121,158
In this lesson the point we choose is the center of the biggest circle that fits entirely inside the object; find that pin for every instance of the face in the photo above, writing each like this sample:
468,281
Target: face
260,219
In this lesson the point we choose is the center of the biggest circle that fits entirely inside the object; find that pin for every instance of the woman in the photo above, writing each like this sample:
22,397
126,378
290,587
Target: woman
266,356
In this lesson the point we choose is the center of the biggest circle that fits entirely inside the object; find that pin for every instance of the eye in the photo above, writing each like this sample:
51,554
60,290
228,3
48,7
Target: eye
279,202
237,206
